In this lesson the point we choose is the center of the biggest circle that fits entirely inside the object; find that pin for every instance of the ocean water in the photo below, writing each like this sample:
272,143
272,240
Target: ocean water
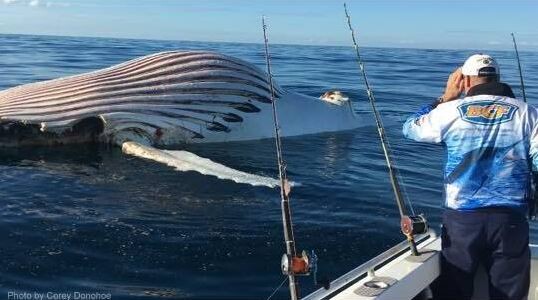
90,219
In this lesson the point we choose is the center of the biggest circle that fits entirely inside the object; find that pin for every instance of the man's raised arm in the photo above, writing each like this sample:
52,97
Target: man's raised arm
427,125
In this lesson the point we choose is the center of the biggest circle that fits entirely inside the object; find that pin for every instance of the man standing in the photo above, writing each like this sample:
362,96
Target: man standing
492,143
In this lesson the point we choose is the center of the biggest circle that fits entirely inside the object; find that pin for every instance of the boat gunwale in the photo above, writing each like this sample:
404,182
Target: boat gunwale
345,281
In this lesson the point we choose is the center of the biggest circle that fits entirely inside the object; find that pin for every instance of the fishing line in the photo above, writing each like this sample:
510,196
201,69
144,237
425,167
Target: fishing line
401,179
403,185
277,288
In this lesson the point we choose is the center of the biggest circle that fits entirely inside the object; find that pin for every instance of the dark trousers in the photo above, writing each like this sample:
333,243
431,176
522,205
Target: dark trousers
496,238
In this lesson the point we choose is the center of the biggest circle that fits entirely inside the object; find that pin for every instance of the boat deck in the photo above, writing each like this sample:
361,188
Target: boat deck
396,274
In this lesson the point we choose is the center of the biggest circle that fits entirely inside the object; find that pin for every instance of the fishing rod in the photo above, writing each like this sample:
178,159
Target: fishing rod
410,224
533,203
519,67
291,263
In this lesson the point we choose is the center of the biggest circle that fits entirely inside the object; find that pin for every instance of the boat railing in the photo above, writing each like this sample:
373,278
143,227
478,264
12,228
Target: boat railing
369,267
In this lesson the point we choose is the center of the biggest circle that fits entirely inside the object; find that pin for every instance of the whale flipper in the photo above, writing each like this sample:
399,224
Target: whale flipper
187,161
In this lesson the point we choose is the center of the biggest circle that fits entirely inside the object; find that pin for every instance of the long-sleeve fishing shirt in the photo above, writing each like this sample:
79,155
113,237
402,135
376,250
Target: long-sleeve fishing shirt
491,140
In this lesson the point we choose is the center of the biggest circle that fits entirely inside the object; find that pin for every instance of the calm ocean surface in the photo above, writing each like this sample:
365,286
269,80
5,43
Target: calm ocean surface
90,219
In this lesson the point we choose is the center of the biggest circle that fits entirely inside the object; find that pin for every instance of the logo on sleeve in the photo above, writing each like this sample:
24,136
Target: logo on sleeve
487,112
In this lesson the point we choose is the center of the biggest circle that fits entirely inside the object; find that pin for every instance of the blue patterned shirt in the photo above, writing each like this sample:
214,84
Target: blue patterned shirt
491,143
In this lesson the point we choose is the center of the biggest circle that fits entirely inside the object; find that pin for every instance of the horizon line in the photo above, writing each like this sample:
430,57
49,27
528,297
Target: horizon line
261,43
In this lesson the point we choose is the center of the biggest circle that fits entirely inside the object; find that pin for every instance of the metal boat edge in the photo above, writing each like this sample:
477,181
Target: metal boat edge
368,269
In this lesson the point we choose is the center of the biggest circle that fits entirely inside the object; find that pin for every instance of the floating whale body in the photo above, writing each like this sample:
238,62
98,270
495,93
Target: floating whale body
163,100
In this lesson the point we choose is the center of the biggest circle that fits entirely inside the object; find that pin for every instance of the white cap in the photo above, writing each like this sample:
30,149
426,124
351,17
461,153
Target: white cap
480,65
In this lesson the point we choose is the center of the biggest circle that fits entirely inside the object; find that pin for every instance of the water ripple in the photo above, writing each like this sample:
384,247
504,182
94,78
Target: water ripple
91,219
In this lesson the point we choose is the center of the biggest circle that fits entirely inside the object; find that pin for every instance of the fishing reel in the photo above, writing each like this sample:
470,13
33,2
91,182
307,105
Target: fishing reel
412,225
303,265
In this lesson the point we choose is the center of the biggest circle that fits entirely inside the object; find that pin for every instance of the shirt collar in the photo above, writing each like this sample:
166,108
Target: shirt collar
491,88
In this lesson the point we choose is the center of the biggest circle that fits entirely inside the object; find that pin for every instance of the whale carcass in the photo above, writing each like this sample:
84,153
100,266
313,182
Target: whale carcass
163,100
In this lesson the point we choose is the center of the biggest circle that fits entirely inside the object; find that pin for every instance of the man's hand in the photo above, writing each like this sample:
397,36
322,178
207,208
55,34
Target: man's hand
454,86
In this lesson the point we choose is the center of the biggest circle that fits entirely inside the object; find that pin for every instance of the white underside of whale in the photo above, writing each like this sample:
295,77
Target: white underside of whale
297,114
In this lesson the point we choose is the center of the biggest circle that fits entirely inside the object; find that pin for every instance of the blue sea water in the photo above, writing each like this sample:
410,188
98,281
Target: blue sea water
90,219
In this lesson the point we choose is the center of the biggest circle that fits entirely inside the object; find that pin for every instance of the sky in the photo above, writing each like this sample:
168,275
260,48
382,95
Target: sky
455,24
